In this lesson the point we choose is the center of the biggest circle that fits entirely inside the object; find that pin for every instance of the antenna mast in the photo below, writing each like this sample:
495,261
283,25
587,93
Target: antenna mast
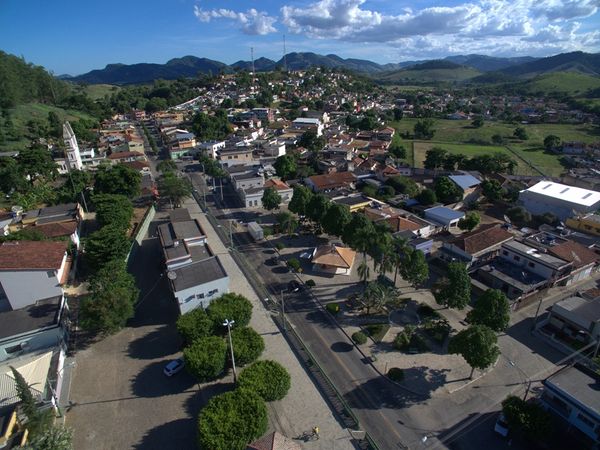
284,58
253,70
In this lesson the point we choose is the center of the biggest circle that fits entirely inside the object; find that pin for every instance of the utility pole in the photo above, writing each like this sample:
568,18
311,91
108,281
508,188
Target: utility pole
221,185
228,323
284,57
253,70
231,235
283,311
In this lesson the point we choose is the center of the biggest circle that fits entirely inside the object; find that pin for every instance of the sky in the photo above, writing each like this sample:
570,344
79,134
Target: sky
73,37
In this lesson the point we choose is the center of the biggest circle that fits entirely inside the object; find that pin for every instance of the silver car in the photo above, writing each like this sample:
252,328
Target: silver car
174,366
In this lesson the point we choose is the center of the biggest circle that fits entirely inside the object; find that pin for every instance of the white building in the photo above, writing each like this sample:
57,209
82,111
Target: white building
72,148
305,123
210,148
559,199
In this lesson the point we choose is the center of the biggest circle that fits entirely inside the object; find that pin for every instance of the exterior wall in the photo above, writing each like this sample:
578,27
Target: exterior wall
566,408
585,225
531,264
24,288
249,183
331,269
458,251
33,341
198,296
440,219
238,158
582,274
425,247
540,204
251,201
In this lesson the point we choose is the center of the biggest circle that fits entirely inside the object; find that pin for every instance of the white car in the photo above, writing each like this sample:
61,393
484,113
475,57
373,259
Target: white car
501,426
174,366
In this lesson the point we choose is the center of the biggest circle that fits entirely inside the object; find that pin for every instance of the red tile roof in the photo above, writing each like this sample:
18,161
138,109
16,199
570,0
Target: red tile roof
401,224
277,184
333,180
122,155
481,239
576,253
58,229
23,255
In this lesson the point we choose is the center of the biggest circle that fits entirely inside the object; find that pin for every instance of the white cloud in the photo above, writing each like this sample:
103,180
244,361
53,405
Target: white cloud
251,21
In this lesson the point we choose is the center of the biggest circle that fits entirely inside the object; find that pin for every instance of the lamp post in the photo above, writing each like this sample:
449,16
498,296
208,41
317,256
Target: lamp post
228,323
283,310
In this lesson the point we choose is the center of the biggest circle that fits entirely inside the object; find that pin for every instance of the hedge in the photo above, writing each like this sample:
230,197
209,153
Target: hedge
268,379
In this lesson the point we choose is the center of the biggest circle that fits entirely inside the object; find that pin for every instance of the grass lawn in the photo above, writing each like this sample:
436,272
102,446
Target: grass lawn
98,91
569,82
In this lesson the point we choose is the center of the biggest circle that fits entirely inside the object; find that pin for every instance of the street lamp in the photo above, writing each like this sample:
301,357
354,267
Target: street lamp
228,323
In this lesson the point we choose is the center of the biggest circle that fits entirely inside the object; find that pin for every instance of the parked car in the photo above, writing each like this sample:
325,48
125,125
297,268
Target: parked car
501,426
294,286
174,367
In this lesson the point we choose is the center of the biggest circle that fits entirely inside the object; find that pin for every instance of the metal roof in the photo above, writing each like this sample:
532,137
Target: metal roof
465,181
571,194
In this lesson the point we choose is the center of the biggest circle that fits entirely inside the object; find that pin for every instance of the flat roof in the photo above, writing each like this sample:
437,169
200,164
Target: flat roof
198,273
42,314
465,181
534,253
571,194
580,384
583,307
446,213
173,231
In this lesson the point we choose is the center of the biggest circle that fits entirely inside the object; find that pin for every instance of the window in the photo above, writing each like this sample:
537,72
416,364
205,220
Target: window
213,292
504,252
199,296
14,349
189,299
517,258
531,264
585,420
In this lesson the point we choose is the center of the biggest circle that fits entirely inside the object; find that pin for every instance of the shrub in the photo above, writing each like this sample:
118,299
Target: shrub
279,246
268,379
247,345
402,340
376,331
205,358
359,337
294,264
333,308
232,420
396,374
437,330
310,283
229,307
194,325
427,312
418,343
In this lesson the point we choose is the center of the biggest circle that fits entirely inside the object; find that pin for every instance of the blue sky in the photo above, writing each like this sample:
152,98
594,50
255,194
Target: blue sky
77,36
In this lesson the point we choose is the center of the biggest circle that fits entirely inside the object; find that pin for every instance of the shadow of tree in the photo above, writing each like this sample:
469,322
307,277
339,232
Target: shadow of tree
340,347
377,393
521,332
159,343
179,433
152,382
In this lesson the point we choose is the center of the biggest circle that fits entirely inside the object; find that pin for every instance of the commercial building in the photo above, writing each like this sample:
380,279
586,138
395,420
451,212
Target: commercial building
559,199
445,217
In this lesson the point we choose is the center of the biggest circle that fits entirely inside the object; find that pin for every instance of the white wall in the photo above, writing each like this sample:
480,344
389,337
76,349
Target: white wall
33,341
188,299
24,288
538,268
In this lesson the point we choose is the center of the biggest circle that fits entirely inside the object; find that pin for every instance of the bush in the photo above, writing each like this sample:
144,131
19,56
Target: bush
426,312
205,358
529,419
402,340
333,308
418,343
229,307
248,345
359,337
294,264
395,374
268,379
310,283
437,330
194,325
232,420
279,246
376,331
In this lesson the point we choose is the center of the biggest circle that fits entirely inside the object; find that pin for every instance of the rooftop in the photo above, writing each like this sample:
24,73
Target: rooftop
57,229
36,255
332,255
179,215
584,307
446,213
42,314
465,181
197,273
352,200
580,384
571,194
576,253
534,253
484,237
332,180
174,231
513,275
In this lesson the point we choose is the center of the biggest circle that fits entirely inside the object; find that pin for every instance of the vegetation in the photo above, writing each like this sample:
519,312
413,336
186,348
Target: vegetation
51,438
118,179
38,421
248,345
211,128
271,199
285,167
205,358
527,418
229,306
194,325
174,188
492,310
359,337
396,374
107,244
477,345
300,200
376,331
454,291
470,221
113,209
268,379
333,308
447,191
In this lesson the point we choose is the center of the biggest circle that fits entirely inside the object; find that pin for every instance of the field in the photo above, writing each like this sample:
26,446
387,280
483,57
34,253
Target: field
98,91
429,75
571,83
458,136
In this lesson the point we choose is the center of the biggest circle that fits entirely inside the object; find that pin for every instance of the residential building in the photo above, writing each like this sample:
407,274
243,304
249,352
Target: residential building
445,217
331,181
534,260
355,202
307,123
234,156
476,247
211,148
282,188
588,223
559,199
577,318
247,180
468,184
333,259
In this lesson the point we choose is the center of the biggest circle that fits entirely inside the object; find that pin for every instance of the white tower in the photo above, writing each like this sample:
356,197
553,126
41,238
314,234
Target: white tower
73,155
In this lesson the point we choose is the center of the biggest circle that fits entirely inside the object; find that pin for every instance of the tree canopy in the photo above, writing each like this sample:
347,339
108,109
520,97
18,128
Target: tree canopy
455,290
492,310
271,199
477,345
447,191
105,245
36,162
174,188
403,185
211,127
336,218
194,325
414,267
268,379
529,419
205,358
229,306
435,158
300,200
113,209
285,166
248,345
424,129
470,221
118,179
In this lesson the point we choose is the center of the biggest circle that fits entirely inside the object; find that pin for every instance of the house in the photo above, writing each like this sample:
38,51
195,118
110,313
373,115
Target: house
333,259
282,188
274,148
445,217
477,246
307,123
196,276
355,202
588,223
577,318
119,157
583,259
211,148
234,156
247,180
559,199
468,184
532,259
571,394
331,181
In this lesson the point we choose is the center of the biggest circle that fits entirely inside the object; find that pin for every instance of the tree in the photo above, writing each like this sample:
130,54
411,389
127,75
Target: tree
492,310
336,219
11,176
470,221
492,190
477,345
300,200
364,272
447,191
107,244
271,199
311,142
519,215
118,179
435,158
427,197
285,166
424,129
268,379
36,162
166,165
397,150
377,295
229,306
232,420
398,114
477,122
520,134
76,183
51,438
455,290
174,188
194,325
248,345
37,420
211,128
530,419
403,185
358,234
497,139
414,268
551,142
205,358
454,161
287,222
113,209
111,301
317,207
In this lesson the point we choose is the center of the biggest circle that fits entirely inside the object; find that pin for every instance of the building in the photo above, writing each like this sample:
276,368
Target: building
588,223
331,181
307,123
233,156
211,148
445,217
468,184
572,395
477,246
355,202
559,199
196,276
282,189
72,148
333,259
577,318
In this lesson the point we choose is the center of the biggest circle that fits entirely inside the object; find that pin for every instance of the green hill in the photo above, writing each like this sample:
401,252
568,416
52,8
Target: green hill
581,62
571,83
430,74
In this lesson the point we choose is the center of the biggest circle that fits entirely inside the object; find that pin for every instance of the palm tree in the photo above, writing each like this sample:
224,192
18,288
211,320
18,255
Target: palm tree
377,295
399,246
364,272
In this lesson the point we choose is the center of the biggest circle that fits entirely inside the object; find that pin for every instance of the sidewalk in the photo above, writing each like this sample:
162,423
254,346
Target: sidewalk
303,407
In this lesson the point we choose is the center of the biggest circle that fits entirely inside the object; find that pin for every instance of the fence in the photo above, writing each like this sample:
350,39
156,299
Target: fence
140,233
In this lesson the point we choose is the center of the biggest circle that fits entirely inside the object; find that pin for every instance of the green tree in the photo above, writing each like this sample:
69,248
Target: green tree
447,191
397,150
26,399
519,215
174,188
311,142
477,345
552,142
285,166
36,162
377,295
107,244
403,185
111,301
492,310
113,209
336,219
529,419
229,306
205,358
470,221
435,158
268,379
11,176
287,222
358,234
455,290
424,129
211,128
194,325
51,438
364,272
497,139
492,190
520,134
248,345
477,122
75,184
414,267
232,420
166,165
118,179
300,200
317,208
398,114
427,197
271,199
54,125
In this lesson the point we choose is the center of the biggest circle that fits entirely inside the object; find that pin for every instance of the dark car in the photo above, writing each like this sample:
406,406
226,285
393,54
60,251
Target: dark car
294,286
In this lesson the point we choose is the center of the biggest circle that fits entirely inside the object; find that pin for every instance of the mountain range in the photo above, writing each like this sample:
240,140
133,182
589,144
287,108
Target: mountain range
471,66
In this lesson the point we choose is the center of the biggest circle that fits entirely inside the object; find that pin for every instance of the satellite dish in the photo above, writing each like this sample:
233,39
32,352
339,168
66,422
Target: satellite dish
575,256
506,219
171,275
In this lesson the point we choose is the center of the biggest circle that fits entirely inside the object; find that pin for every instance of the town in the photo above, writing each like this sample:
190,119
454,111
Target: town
301,259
